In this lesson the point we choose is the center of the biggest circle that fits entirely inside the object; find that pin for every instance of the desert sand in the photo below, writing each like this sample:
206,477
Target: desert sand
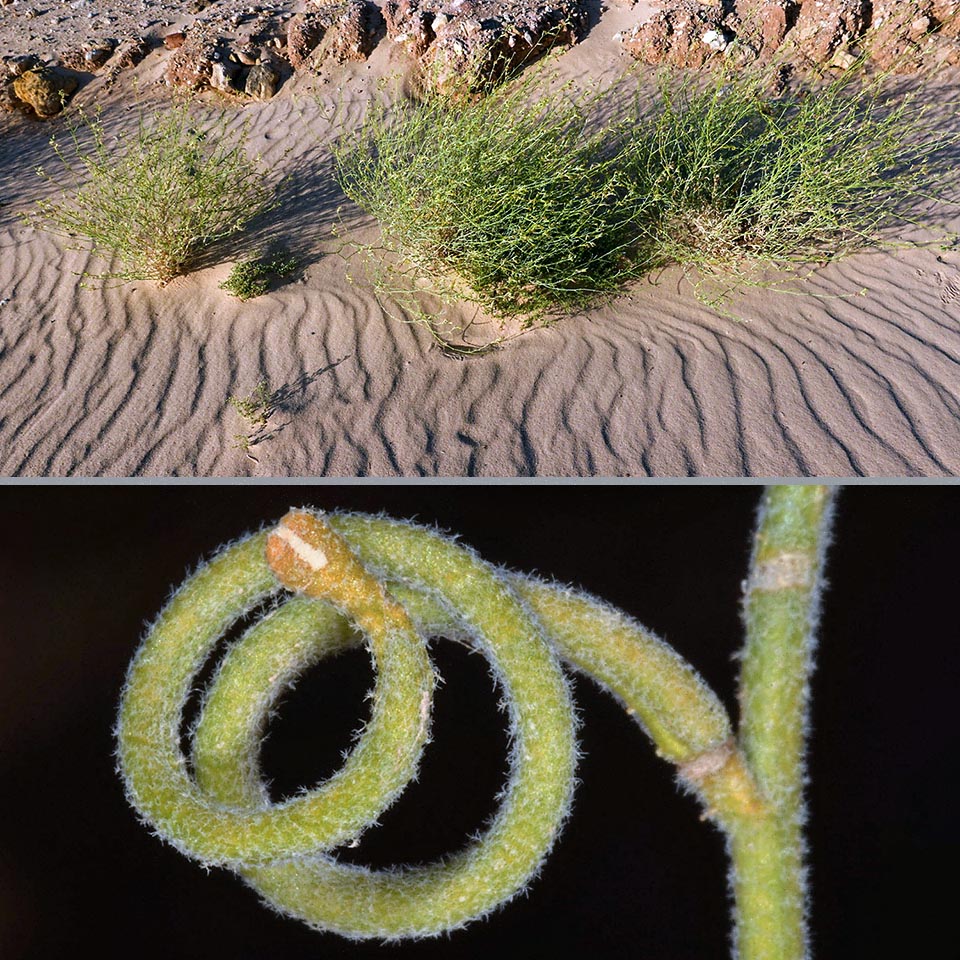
131,380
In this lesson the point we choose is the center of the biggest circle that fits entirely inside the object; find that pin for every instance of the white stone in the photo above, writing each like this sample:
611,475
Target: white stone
715,40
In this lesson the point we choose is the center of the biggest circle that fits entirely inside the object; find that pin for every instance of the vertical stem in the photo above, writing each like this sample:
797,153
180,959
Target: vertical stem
780,610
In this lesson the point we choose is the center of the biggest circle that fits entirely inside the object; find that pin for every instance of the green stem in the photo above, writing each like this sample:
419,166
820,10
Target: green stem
352,579
780,611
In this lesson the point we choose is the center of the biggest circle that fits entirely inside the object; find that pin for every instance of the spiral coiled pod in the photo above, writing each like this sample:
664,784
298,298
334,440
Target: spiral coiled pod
346,579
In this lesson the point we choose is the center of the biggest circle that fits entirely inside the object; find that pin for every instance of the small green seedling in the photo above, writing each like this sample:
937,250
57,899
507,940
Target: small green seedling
252,278
255,408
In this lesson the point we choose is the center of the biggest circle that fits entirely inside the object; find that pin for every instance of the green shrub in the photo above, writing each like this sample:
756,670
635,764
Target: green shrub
738,179
529,206
252,278
157,197
510,202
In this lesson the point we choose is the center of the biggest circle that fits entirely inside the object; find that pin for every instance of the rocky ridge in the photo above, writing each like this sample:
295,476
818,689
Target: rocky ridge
895,34
248,52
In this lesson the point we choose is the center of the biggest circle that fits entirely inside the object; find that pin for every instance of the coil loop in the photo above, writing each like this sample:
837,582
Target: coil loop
348,579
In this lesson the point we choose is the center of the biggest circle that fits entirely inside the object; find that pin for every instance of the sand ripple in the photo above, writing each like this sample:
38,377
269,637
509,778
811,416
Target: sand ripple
134,381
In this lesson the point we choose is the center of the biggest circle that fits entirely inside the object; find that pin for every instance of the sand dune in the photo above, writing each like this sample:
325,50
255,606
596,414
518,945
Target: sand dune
129,380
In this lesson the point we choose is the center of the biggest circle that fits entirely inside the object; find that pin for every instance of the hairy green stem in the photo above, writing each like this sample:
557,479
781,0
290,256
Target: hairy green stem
351,579
780,611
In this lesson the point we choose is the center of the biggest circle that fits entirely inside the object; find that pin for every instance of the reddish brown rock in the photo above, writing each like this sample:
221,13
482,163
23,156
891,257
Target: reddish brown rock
353,34
14,66
897,29
683,33
410,22
192,63
897,34
949,51
89,58
304,32
768,20
467,45
174,41
946,14
342,32
129,53
824,26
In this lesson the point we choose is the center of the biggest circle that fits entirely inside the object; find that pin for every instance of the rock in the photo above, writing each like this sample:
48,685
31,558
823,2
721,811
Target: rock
248,56
843,59
769,20
192,63
71,60
893,37
949,51
129,53
223,77
9,101
97,55
174,41
896,33
352,35
824,25
340,31
262,82
88,58
467,45
46,89
683,33
304,32
716,40
741,52
409,25
946,14
15,66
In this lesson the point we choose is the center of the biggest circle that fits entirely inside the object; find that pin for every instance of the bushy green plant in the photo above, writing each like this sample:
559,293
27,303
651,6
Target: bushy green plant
509,201
251,278
739,179
156,197
525,205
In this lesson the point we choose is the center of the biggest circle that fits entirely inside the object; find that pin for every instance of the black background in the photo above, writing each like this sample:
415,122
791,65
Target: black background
634,874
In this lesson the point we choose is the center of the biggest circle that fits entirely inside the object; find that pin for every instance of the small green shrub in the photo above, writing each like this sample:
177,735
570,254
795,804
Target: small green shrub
156,197
252,278
255,408
529,206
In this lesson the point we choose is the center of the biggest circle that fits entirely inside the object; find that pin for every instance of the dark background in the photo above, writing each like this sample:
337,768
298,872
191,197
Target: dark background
634,874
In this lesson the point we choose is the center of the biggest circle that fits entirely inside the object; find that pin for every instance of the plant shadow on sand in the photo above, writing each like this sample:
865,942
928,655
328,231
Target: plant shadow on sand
298,222
289,399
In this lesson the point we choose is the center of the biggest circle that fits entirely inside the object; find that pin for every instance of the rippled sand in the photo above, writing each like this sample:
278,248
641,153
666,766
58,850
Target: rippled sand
131,380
